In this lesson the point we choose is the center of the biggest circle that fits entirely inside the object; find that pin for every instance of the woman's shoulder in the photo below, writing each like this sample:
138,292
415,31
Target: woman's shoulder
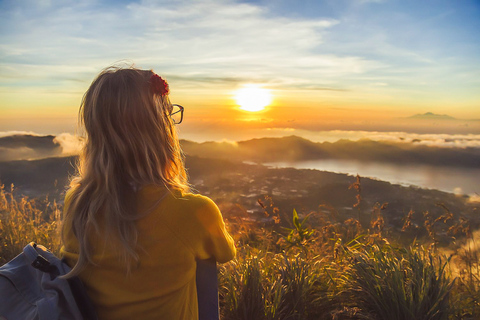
178,199
194,198
195,203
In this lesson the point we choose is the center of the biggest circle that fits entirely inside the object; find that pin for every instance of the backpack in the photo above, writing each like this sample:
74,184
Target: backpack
30,288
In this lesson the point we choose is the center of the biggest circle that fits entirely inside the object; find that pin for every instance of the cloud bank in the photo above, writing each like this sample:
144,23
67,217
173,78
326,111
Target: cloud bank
15,146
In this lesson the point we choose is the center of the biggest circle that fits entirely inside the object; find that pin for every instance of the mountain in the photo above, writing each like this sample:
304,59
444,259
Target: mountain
285,149
16,147
290,148
37,178
432,116
293,148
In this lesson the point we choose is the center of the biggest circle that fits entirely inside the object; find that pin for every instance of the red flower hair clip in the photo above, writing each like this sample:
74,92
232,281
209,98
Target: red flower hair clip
158,85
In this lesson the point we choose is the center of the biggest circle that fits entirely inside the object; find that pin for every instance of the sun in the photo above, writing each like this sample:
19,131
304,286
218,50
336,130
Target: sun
253,98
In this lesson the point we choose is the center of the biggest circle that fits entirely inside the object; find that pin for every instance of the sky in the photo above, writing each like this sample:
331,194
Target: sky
330,65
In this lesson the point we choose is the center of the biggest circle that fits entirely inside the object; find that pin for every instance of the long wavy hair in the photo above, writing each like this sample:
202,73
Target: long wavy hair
130,141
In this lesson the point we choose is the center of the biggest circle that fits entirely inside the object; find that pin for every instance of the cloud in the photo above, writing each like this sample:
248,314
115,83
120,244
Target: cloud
281,130
343,53
432,140
474,198
15,145
60,43
229,142
71,144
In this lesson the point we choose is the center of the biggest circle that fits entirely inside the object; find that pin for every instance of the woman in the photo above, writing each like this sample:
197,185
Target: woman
132,232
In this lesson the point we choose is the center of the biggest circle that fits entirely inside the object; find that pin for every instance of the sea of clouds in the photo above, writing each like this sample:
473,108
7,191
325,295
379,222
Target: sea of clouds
27,145
434,140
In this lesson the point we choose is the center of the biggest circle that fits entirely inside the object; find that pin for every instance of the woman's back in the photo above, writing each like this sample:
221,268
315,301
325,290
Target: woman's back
176,229
132,232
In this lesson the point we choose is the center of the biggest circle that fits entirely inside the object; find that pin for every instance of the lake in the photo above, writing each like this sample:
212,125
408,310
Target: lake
449,179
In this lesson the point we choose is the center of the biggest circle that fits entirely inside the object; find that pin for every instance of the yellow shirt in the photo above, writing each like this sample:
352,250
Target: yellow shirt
179,230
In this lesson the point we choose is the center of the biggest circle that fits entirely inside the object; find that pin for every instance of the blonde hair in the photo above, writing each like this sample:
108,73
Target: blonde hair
130,142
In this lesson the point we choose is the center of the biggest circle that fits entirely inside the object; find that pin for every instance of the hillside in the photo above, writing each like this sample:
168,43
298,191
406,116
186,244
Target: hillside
295,148
237,187
21,146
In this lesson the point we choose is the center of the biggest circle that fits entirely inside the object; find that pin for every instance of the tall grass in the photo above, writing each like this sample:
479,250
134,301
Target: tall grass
25,220
466,300
402,285
272,286
243,290
319,268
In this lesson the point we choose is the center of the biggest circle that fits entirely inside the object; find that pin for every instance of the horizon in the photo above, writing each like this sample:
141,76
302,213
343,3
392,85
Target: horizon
352,65
443,162
428,125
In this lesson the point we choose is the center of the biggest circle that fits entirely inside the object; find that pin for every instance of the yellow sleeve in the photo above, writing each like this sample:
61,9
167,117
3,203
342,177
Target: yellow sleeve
214,238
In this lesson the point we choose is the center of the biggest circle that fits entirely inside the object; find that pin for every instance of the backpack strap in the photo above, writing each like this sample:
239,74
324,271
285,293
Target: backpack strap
38,261
46,262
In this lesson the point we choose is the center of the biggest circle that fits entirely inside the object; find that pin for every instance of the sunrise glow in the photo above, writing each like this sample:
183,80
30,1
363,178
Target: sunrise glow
253,98
240,67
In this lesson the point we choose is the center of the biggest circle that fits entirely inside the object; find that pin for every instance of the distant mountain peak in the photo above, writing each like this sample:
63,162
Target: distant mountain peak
431,115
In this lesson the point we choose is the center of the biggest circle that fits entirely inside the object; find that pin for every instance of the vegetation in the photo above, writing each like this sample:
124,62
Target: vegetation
24,220
315,265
